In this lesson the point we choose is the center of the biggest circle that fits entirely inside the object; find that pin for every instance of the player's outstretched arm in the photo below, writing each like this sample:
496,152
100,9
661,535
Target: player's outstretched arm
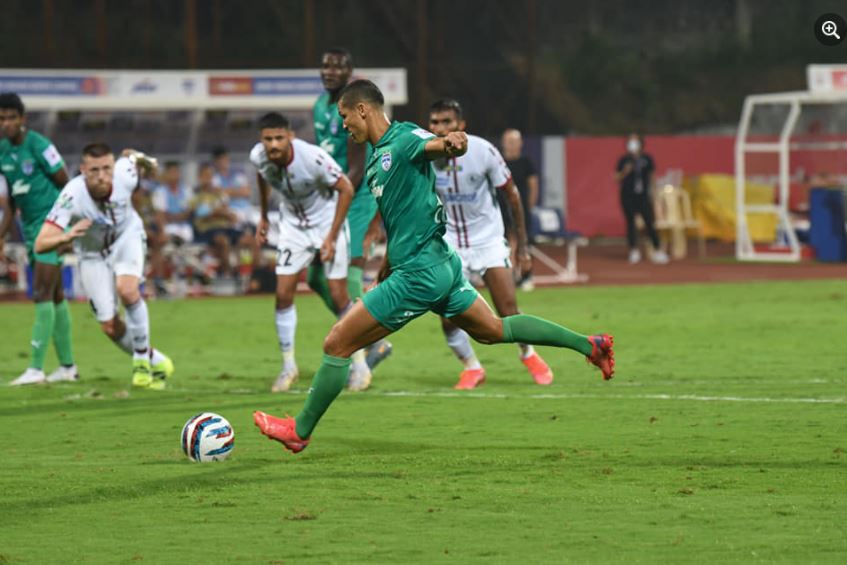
345,196
516,206
52,236
264,197
454,144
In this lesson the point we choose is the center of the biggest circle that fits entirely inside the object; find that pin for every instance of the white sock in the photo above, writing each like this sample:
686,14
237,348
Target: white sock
138,327
526,350
125,342
460,343
286,324
156,356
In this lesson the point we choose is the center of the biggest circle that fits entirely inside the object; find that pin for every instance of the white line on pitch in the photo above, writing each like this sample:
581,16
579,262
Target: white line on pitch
692,397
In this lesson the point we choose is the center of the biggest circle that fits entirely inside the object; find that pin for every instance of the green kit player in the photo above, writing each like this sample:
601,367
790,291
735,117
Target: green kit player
421,272
336,70
35,173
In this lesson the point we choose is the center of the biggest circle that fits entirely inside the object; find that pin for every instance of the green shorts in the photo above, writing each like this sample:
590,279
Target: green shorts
404,296
359,217
49,258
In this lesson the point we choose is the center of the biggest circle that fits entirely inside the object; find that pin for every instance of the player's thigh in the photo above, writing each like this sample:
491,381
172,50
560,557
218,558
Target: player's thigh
338,267
480,322
357,329
128,253
295,250
45,278
400,298
98,282
501,284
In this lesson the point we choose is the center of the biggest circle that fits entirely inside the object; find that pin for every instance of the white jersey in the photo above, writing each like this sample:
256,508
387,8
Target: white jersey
306,183
467,186
113,217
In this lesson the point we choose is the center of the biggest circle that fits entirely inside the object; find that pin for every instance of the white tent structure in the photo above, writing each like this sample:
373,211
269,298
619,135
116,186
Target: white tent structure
827,87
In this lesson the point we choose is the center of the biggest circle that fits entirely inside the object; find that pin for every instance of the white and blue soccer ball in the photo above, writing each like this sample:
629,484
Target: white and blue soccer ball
207,437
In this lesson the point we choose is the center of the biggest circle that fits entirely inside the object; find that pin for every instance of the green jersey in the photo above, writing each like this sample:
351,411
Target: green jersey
28,168
330,133
402,180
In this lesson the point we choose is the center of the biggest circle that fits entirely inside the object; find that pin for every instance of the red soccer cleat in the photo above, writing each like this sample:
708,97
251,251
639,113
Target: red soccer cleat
280,429
602,354
470,379
540,371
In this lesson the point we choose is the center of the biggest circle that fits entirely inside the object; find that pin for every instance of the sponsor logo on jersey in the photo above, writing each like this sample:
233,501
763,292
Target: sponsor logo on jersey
460,198
8,168
385,161
377,190
27,167
20,187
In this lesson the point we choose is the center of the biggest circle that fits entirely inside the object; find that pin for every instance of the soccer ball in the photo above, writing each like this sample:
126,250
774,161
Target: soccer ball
207,437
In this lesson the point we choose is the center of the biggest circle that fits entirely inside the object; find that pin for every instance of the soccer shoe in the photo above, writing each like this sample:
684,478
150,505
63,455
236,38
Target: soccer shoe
142,376
470,379
377,353
29,377
603,354
359,378
161,372
634,256
540,371
63,374
659,257
285,379
282,430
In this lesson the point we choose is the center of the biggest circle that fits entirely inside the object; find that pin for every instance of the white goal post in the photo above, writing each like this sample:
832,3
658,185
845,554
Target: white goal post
827,86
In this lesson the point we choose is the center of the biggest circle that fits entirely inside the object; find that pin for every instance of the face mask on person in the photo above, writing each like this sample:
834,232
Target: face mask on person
633,146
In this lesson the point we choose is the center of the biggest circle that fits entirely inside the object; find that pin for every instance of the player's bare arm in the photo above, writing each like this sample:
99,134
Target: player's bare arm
454,144
345,195
355,162
515,205
264,197
60,178
52,236
372,235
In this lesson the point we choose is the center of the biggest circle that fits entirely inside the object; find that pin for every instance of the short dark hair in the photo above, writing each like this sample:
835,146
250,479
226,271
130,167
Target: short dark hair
96,149
172,165
446,105
361,90
273,120
205,165
219,151
341,52
11,101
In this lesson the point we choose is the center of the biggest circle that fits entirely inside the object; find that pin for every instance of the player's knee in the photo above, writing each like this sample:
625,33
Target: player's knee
447,326
508,308
128,292
490,333
334,343
284,300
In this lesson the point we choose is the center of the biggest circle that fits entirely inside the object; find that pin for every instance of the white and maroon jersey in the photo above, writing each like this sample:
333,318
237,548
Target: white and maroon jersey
113,216
467,186
305,183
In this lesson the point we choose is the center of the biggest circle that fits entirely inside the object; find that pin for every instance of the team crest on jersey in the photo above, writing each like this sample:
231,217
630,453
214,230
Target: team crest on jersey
385,161
27,167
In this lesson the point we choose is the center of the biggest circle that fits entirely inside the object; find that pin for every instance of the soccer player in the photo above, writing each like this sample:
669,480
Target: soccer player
336,70
312,223
467,185
35,173
94,212
420,273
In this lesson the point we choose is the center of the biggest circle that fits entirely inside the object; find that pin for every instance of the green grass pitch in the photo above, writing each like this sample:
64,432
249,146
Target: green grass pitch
722,439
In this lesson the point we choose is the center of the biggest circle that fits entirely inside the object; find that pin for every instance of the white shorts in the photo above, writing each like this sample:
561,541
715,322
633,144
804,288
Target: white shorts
476,260
98,274
297,248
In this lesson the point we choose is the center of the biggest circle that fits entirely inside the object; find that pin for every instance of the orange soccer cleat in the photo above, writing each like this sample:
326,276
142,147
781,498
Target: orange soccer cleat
280,429
470,379
538,368
603,354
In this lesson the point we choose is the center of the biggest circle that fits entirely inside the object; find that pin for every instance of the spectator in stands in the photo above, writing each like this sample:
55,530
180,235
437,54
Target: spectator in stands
634,172
171,200
526,179
233,183
214,222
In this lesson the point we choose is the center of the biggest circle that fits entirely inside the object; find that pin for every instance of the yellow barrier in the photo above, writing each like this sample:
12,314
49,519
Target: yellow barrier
713,198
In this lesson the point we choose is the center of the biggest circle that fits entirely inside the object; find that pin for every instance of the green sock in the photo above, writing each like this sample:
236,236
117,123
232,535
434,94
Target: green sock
62,334
328,383
316,278
354,282
45,315
536,331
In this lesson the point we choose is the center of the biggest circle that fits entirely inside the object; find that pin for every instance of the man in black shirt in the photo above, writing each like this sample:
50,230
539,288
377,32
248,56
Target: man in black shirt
526,180
635,174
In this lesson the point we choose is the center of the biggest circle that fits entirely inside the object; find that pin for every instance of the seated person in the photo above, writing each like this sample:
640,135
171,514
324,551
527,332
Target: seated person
154,229
214,223
233,183
171,198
